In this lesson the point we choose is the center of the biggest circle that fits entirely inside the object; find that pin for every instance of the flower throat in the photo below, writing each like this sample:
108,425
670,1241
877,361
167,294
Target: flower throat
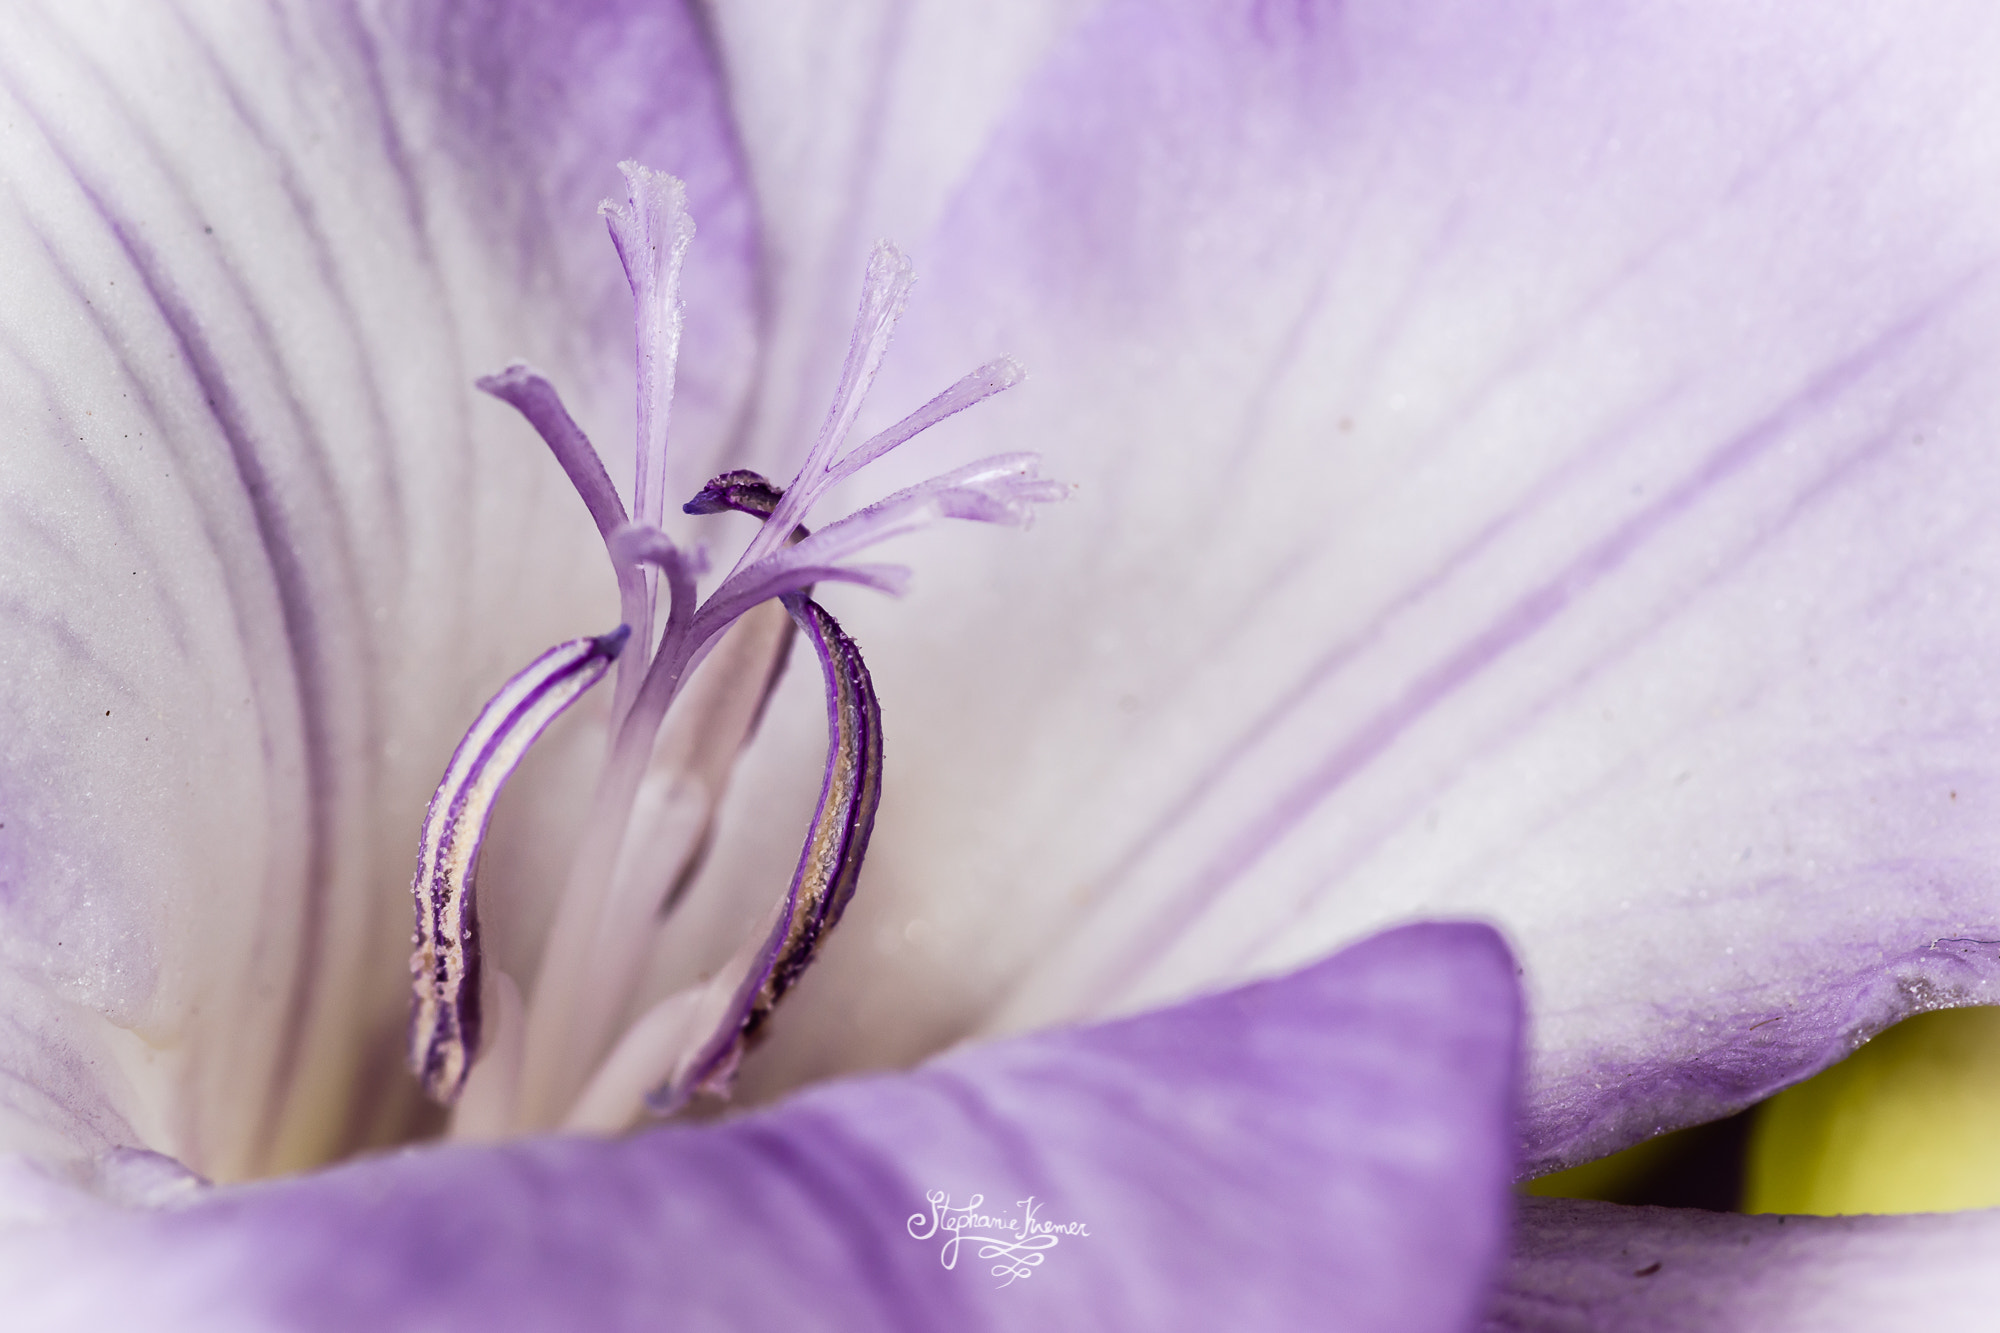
562,1054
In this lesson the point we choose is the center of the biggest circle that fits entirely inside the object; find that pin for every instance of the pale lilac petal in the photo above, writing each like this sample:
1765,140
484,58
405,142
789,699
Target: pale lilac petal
1535,461
1582,1267
859,121
1330,1149
254,260
544,100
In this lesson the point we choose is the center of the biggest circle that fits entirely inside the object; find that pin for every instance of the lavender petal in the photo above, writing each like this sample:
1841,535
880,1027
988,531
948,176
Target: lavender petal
886,111
1333,1144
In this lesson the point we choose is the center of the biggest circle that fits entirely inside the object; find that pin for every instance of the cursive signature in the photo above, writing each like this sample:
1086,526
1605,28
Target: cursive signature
1016,1242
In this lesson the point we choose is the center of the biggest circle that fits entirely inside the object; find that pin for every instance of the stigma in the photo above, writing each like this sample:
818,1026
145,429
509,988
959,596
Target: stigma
566,1051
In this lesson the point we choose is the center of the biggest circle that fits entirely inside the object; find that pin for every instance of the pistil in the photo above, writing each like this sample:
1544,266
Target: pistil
562,1060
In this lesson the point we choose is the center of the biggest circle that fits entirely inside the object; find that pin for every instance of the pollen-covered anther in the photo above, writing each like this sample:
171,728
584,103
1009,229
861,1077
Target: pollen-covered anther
445,964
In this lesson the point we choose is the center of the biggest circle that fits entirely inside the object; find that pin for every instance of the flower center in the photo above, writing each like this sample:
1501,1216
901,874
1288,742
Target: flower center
560,1054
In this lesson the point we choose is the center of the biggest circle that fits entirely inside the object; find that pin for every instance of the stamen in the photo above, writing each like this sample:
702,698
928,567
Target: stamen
829,863
634,545
444,1017
656,797
740,490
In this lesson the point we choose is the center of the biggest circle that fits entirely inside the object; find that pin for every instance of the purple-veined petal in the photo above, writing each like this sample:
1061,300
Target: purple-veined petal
545,99
1329,1148
254,260
1529,465
1582,1267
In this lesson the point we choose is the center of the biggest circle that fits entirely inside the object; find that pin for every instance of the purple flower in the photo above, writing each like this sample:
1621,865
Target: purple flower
1529,465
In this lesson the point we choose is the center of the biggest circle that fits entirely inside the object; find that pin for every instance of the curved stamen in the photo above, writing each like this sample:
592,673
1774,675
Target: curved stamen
525,390
691,1041
444,967
635,544
829,863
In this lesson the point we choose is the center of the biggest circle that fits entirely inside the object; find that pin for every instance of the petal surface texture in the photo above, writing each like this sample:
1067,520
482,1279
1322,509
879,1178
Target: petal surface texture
1329,1151
265,550
860,122
1583,1267
1534,461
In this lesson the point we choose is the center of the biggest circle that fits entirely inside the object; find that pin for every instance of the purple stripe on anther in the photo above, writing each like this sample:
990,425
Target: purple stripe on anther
829,864
850,793
444,1011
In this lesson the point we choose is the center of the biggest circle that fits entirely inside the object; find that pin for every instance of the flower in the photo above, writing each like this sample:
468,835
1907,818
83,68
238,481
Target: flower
1471,408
